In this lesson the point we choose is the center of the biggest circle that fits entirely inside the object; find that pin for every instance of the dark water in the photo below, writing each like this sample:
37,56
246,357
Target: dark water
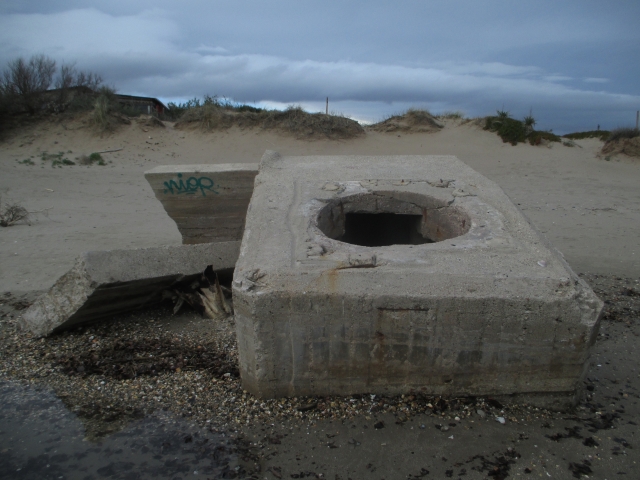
41,439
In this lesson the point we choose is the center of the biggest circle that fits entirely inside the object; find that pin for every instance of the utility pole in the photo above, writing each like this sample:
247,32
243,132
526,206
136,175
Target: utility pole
637,118
327,111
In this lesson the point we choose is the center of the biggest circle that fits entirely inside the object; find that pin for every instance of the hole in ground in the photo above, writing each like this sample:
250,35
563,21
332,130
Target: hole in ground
382,229
382,219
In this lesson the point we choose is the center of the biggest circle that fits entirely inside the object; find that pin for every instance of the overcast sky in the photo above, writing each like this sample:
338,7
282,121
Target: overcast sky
575,63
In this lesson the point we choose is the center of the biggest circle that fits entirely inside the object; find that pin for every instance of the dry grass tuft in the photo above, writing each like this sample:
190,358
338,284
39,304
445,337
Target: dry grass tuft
623,133
105,111
623,141
12,213
411,121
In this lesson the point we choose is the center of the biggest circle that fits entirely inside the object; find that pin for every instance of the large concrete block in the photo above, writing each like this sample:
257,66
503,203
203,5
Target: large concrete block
397,273
102,284
207,202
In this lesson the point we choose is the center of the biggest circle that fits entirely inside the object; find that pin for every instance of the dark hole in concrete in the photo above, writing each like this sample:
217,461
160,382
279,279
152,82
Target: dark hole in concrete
382,229
383,220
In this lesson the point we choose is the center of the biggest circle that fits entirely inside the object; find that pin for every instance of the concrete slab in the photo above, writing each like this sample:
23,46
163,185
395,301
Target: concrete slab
364,274
102,284
207,202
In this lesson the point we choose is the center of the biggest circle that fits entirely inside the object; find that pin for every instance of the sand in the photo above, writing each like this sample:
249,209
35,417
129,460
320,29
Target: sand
588,206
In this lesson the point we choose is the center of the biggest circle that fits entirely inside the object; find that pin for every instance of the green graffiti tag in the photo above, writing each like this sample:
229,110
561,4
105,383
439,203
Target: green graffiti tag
192,186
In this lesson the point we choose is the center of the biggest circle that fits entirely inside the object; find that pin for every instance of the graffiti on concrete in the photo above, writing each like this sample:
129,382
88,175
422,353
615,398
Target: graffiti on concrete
190,186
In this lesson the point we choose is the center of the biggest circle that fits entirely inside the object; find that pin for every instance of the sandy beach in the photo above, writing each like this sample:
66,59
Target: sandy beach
587,205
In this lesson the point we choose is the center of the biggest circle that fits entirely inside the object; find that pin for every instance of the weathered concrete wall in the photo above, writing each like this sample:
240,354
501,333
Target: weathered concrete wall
102,284
489,308
207,202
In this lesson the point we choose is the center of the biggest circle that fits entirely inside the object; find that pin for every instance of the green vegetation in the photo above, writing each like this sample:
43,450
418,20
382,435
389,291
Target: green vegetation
601,134
26,161
515,131
57,159
61,163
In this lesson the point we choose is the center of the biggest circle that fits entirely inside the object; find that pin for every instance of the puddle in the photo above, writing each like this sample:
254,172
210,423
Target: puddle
41,439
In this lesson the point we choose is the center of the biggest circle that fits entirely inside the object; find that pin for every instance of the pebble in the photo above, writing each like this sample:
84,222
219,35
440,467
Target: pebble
217,400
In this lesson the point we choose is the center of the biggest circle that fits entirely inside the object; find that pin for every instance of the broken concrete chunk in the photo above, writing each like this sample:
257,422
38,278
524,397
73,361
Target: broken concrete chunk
396,287
207,202
102,284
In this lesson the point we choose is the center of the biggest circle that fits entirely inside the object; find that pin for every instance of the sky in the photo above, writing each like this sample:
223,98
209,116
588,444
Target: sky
574,64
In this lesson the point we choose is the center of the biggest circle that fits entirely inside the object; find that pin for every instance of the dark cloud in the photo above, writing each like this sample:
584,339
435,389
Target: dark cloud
573,63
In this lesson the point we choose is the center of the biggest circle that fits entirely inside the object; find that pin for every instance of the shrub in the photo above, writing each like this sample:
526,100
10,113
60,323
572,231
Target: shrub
12,213
26,81
529,121
507,128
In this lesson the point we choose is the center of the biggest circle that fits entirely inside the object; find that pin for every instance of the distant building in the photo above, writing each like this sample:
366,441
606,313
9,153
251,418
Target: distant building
59,98
148,105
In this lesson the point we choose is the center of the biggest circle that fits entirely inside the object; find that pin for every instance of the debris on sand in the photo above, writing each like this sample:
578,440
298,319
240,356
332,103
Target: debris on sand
204,295
103,284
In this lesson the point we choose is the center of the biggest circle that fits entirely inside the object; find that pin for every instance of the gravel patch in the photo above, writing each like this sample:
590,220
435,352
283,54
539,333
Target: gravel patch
113,372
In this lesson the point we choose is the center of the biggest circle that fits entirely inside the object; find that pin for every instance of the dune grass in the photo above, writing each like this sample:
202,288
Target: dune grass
622,133
412,120
451,115
103,108
215,115
601,134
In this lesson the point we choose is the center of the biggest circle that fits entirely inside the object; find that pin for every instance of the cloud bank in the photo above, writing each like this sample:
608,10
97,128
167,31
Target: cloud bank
152,53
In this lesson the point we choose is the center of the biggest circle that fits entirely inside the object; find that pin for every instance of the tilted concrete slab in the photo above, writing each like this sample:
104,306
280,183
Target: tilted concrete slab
485,307
102,284
207,202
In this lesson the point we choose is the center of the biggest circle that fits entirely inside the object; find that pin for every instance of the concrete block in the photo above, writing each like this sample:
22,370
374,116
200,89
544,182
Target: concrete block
102,284
207,202
390,274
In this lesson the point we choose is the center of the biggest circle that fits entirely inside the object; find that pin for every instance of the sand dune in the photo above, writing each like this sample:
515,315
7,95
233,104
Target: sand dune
587,206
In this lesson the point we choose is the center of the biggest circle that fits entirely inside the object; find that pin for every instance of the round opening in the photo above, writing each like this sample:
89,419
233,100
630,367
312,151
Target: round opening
391,218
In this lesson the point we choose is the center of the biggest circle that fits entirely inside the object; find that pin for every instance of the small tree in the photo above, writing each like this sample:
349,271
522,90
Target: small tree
71,78
27,81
